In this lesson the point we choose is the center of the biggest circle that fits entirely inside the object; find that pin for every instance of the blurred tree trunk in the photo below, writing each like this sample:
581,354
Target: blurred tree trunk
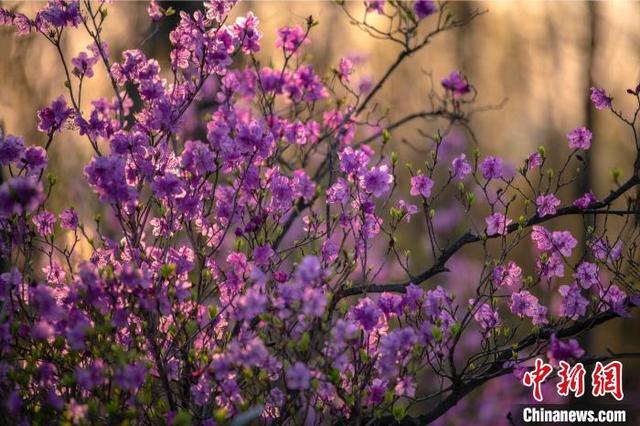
585,181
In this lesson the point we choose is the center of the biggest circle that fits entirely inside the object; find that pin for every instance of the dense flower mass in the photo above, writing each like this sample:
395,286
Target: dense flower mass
247,261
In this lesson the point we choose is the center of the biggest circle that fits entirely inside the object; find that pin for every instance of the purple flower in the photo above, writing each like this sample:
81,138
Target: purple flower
61,14
534,160
600,99
394,351
547,204
92,376
497,224
491,168
303,185
353,161
44,222
314,302
155,11
587,274
251,304
19,195
83,65
309,270
344,331
131,376
298,376
338,192
460,167
42,330
106,175
424,8
345,68
585,201
563,242
366,313
376,391
377,5
291,38
510,275
550,266
421,185
524,304
600,248
35,158
11,149
377,181
54,116
246,30
407,209
560,241
69,218
615,299
390,304
456,83
580,138
574,305
413,297
218,9
167,186
562,351
486,316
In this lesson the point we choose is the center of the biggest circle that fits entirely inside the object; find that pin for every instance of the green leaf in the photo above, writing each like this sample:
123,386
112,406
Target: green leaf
305,340
399,412
168,270
436,332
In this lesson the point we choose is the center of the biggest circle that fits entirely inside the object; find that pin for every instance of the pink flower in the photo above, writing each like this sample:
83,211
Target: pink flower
456,83
579,138
534,160
460,167
497,224
587,274
421,185
547,204
600,99
585,201
291,38
424,8
510,275
491,168
574,305
377,181
345,69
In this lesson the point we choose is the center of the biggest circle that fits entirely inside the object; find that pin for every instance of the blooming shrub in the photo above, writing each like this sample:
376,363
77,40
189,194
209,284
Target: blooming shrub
247,275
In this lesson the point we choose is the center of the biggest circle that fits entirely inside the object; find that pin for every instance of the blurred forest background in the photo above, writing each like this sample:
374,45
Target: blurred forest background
535,60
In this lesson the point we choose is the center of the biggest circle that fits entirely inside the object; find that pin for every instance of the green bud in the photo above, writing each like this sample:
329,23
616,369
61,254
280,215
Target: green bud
394,158
386,136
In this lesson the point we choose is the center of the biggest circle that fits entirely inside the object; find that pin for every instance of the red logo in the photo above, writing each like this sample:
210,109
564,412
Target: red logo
571,379
605,379
536,377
